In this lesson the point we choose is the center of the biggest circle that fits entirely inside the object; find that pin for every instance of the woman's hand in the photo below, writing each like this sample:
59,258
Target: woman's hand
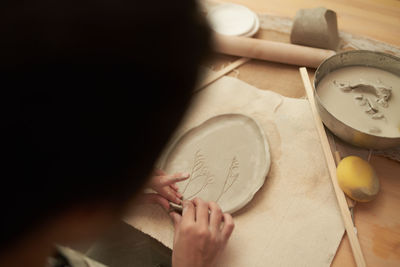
201,233
165,187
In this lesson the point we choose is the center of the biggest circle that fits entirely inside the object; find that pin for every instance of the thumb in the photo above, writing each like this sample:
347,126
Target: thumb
176,218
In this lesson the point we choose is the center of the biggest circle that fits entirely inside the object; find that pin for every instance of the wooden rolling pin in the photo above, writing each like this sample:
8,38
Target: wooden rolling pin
271,51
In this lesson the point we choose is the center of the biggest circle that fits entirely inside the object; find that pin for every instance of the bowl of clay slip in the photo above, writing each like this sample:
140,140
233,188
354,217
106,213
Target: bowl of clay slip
380,110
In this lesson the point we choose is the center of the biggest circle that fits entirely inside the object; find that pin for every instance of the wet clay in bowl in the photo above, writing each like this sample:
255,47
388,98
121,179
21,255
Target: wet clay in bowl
365,98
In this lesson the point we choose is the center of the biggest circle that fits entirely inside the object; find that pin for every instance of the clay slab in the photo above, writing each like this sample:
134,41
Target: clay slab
227,156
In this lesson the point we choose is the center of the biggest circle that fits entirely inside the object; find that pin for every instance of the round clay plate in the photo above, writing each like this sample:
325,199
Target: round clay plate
227,157
231,19
255,29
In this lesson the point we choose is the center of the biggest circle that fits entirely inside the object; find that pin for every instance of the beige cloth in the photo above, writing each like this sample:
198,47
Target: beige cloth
294,219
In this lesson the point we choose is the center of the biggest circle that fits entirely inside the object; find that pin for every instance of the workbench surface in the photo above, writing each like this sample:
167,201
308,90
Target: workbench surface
378,222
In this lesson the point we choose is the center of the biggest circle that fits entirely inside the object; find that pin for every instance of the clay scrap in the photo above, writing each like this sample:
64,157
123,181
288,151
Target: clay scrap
316,27
381,92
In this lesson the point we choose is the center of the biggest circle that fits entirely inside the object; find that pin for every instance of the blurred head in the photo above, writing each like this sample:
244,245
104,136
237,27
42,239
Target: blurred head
90,93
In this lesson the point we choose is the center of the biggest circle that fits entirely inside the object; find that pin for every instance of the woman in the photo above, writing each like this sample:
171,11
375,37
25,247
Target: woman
91,92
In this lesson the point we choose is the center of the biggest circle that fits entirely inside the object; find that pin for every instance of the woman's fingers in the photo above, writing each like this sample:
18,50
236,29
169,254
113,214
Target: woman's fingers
174,186
176,218
165,180
201,211
194,241
215,217
171,194
228,226
188,212
166,186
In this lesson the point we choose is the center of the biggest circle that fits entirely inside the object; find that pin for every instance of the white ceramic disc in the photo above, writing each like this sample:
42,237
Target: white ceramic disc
255,28
227,157
231,19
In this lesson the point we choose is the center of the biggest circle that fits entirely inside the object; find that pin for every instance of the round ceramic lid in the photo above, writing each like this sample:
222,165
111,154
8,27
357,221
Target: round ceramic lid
231,19
255,28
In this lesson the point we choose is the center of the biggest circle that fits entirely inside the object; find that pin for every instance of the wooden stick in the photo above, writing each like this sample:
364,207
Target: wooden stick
215,76
350,202
338,158
346,216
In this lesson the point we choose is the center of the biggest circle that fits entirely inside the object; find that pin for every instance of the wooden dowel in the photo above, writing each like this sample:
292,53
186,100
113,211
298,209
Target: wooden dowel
350,202
346,216
338,158
215,76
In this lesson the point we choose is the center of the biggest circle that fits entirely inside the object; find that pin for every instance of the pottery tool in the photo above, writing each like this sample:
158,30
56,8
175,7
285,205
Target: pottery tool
350,203
358,179
216,75
173,207
271,51
297,55
346,216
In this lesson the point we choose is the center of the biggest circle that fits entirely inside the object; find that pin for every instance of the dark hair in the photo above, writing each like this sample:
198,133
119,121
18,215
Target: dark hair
90,93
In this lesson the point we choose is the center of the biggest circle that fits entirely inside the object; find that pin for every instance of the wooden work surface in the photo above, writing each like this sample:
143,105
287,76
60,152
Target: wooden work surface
378,222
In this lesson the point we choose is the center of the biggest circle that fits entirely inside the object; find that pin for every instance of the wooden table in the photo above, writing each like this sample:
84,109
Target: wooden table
378,222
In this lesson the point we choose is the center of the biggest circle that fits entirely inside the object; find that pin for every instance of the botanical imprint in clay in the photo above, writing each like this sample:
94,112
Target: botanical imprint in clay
365,98
200,171
227,157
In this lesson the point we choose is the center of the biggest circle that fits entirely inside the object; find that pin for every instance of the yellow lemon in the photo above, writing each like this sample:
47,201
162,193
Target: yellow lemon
357,179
